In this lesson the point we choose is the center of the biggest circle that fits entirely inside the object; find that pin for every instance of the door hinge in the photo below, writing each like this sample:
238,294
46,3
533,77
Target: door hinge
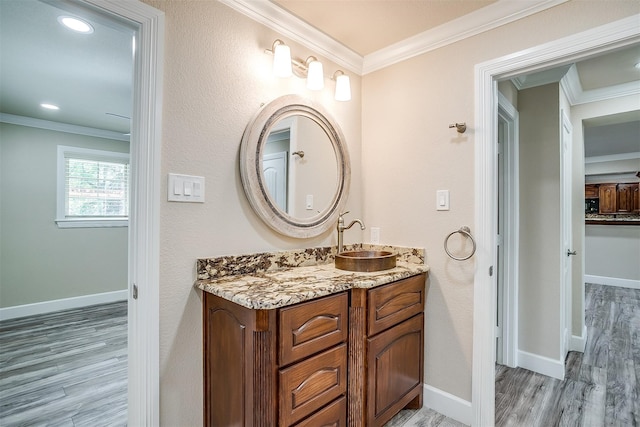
491,271
134,291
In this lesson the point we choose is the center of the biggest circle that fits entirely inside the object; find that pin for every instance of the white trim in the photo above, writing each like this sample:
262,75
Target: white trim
61,304
91,223
487,18
578,343
273,16
577,95
612,281
144,215
612,157
541,364
563,51
447,404
62,127
511,240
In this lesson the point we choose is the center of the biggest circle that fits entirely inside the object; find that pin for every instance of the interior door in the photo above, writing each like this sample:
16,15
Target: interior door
568,251
274,167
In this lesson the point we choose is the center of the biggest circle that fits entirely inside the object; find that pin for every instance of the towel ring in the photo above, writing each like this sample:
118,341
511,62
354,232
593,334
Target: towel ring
465,231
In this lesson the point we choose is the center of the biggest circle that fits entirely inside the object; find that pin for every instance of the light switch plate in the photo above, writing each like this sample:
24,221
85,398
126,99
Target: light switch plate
185,188
375,235
442,200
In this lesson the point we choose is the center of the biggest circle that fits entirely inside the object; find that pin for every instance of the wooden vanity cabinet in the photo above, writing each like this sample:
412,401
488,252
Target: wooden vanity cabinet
281,367
386,358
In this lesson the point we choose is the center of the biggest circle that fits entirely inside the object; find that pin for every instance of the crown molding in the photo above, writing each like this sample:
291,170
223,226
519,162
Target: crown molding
276,18
487,18
612,157
62,127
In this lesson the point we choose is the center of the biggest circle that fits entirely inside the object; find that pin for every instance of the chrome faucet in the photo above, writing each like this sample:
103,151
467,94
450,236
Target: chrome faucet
341,229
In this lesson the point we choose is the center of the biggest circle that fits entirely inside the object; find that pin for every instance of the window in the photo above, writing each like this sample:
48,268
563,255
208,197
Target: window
93,188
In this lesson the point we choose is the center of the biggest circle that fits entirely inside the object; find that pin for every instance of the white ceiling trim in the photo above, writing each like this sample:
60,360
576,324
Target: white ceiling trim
577,96
487,18
612,157
61,127
276,18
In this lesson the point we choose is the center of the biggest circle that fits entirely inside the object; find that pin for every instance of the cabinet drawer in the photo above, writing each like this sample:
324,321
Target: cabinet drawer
333,415
393,303
309,385
312,327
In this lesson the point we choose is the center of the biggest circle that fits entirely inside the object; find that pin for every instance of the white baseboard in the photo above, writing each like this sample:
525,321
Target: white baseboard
612,281
579,343
62,304
541,364
447,404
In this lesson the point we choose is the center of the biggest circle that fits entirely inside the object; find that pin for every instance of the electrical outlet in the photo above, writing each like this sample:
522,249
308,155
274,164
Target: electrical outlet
375,235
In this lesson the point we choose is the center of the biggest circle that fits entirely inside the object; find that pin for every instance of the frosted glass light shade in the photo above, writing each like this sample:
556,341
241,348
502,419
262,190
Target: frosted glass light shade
282,61
315,76
343,88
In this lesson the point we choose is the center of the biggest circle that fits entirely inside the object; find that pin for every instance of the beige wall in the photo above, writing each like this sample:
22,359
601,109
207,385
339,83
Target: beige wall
41,262
216,75
613,251
401,151
409,152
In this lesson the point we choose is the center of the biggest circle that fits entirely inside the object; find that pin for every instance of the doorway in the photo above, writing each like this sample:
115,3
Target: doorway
608,37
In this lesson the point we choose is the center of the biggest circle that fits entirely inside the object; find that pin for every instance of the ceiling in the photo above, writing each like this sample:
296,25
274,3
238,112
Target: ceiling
90,76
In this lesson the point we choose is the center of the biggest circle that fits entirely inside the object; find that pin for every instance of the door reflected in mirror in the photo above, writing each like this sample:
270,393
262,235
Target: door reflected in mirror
300,167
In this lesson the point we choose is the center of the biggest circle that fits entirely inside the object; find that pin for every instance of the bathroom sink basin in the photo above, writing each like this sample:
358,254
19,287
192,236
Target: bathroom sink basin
365,261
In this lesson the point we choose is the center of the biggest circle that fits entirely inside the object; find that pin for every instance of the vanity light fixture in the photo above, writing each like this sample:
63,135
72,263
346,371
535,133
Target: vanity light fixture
311,69
76,24
343,86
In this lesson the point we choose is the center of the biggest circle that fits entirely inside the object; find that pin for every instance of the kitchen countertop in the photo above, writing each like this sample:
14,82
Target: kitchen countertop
615,219
277,279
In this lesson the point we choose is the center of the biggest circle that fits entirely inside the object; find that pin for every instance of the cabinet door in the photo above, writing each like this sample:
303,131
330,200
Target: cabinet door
636,198
608,198
625,194
591,191
309,385
394,372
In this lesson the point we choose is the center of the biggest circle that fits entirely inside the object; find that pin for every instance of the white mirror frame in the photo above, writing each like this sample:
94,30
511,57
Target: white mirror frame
251,165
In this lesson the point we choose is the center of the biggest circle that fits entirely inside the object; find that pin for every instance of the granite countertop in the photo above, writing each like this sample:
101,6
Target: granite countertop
277,279
612,219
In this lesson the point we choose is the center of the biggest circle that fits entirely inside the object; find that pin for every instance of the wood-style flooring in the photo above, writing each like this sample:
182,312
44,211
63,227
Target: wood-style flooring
602,385
67,368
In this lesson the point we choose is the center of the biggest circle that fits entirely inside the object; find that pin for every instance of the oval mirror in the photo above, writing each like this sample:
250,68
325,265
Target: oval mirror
295,167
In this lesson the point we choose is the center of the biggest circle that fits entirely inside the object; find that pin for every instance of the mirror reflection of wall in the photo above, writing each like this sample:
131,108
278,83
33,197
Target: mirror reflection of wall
300,185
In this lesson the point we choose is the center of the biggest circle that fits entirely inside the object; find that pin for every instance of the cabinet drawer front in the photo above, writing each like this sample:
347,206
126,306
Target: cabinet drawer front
393,303
312,327
395,369
333,415
309,385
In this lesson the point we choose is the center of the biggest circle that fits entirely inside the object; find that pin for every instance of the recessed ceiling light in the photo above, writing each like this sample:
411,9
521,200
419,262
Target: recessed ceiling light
49,106
76,24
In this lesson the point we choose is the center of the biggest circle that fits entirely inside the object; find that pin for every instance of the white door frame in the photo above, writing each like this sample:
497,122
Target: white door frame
144,216
566,177
563,51
511,238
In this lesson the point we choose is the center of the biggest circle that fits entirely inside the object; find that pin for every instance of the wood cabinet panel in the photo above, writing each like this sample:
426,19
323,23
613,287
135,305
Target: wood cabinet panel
591,191
636,199
333,415
307,386
395,369
310,327
608,198
393,303
625,195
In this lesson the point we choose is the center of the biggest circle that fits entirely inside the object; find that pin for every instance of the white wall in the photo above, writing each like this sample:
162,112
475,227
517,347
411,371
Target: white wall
613,251
41,262
540,236
409,152
216,75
